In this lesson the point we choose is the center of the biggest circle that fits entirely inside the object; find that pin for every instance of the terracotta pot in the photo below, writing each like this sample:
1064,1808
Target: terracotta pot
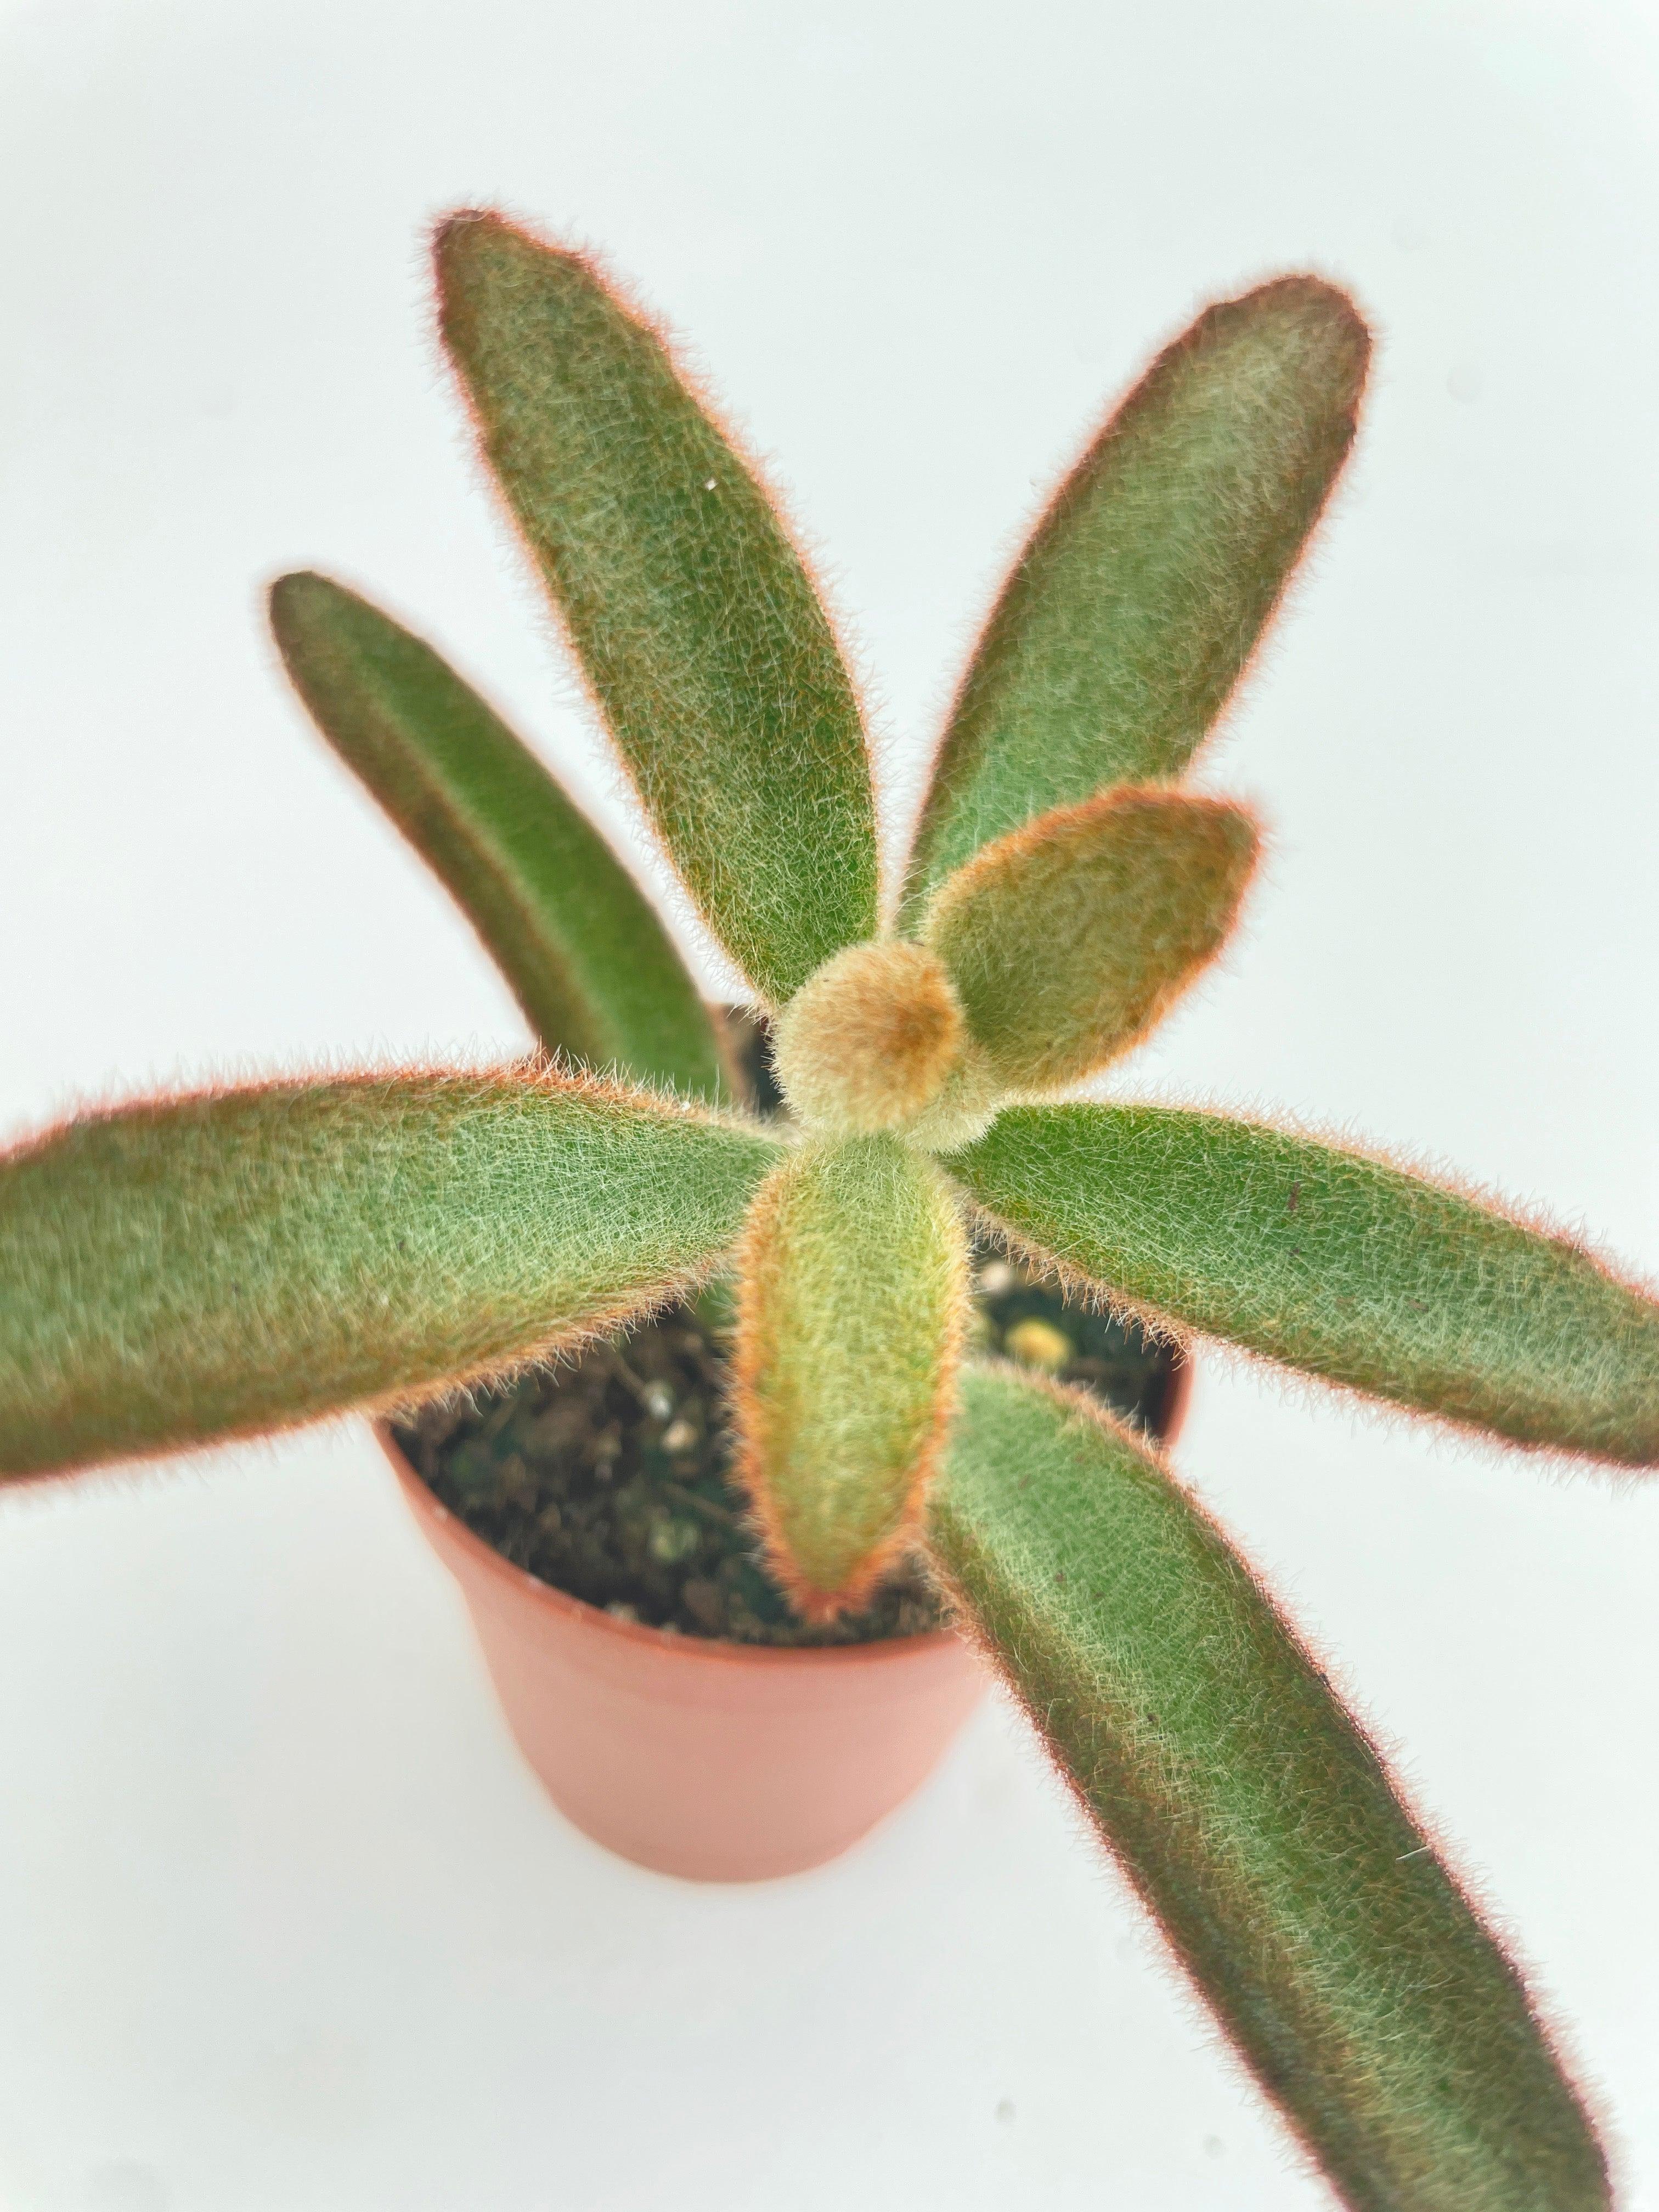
1177,1400
717,1761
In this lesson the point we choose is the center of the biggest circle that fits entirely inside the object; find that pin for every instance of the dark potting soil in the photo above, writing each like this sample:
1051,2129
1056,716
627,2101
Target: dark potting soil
608,1477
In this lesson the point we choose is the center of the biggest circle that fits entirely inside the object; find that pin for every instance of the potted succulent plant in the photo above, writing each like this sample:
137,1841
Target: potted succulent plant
199,1267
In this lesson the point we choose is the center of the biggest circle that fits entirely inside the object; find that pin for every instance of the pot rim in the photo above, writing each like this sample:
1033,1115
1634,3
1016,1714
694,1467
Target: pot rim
707,1650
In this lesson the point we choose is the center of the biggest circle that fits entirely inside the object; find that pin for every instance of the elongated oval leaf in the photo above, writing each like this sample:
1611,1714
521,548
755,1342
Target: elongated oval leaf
699,629
1254,1817
584,956
1336,1264
1068,939
1141,594
852,1287
204,1266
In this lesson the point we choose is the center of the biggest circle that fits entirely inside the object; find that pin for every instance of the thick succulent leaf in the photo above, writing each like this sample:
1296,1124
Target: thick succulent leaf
697,626
584,954
1253,1815
1338,1265
197,1267
1141,594
852,1288
1066,940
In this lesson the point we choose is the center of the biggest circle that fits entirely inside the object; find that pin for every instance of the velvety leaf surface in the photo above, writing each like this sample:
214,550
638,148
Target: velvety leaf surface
1068,939
203,1266
1336,1264
1141,594
852,1288
699,631
586,958
1253,1815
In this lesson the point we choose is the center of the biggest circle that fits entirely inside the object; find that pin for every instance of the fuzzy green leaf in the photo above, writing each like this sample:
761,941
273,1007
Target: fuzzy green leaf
199,1267
1068,939
1336,1264
698,628
1141,596
584,954
1254,1817
851,1287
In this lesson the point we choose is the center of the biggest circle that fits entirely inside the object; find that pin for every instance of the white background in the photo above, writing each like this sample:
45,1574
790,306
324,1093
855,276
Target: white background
284,1927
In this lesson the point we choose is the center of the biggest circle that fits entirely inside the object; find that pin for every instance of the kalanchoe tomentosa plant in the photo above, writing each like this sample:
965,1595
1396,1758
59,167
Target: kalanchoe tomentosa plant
199,1267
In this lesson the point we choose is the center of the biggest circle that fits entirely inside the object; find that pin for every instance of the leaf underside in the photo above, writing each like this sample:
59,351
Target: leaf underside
582,951
850,1300
1253,1816
1133,609
1334,1264
696,623
1066,940
207,1266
